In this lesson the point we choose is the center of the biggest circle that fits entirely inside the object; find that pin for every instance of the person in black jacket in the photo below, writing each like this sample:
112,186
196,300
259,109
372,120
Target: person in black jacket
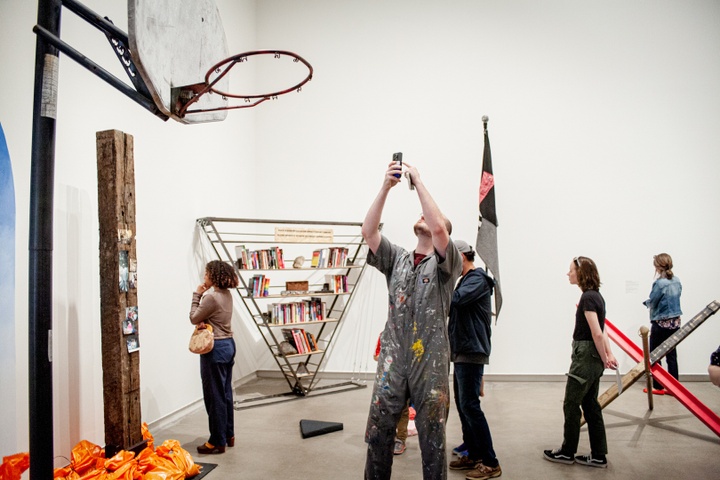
469,333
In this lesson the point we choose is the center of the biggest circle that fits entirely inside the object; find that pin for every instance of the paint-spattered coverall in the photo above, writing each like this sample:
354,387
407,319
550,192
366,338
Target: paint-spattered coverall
415,357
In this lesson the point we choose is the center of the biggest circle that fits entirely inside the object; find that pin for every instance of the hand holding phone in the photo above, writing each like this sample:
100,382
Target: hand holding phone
397,158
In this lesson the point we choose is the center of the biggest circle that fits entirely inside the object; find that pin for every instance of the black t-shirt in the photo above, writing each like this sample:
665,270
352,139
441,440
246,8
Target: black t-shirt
590,301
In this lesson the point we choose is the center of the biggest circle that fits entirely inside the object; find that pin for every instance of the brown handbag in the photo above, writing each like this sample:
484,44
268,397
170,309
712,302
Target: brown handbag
202,339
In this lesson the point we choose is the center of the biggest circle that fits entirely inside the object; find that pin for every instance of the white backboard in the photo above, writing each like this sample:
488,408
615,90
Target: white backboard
173,44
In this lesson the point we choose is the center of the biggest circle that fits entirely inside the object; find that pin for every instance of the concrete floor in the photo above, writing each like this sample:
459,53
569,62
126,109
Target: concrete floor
525,417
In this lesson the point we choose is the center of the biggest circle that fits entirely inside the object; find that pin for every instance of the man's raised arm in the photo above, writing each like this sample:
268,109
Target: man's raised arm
434,218
371,224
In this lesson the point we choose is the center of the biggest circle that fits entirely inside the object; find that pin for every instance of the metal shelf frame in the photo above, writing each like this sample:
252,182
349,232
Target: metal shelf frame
223,234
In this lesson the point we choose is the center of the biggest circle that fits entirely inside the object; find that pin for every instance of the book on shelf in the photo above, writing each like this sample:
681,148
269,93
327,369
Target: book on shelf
306,338
338,257
304,342
300,340
337,283
278,257
312,335
289,337
319,308
315,259
311,341
330,257
265,259
312,310
241,253
259,286
296,341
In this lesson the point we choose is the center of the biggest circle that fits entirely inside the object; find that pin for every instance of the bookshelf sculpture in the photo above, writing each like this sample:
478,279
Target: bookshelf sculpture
297,279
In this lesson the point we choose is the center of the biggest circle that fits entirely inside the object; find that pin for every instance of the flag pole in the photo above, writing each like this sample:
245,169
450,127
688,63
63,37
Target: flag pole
486,243
485,120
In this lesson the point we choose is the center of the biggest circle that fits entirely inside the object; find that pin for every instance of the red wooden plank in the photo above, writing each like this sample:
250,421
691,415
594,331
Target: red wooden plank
676,389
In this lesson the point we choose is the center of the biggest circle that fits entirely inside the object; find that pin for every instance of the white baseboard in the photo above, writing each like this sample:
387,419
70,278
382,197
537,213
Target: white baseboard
498,377
175,416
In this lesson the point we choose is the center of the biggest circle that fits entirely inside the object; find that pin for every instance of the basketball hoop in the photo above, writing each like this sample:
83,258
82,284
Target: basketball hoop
185,97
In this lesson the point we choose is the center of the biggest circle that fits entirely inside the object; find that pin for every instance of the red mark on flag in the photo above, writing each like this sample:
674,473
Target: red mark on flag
486,183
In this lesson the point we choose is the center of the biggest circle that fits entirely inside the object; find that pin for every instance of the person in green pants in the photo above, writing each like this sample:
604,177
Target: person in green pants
591,355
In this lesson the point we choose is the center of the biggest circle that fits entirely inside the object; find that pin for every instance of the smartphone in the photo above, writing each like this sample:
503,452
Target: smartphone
397,157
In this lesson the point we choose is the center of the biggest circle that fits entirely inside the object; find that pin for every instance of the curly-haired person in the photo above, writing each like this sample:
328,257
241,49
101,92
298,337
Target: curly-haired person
214,307
591,355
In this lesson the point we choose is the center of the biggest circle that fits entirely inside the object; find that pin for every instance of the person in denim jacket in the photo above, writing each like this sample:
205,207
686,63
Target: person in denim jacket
664,305
591,355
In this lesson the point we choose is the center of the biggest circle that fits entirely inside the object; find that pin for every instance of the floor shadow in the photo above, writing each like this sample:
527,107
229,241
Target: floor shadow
656,422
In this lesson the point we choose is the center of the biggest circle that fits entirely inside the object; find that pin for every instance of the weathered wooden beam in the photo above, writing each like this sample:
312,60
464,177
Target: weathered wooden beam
628,379
120,363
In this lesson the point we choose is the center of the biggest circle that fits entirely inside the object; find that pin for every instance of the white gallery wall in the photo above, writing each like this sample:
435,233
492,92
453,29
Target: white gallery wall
603,125
181,173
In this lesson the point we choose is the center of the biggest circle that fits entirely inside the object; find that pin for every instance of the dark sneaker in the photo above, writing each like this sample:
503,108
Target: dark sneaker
208,449
399,448
483,472
463,463
592,461
459,449
559,456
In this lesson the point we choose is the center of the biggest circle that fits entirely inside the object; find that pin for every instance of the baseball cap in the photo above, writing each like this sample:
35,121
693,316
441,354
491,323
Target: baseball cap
463,246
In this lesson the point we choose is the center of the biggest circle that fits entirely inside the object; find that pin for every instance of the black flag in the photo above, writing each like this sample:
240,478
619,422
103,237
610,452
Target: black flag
486,244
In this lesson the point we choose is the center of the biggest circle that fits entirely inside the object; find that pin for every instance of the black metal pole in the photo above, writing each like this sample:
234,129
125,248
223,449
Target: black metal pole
144,101
42,178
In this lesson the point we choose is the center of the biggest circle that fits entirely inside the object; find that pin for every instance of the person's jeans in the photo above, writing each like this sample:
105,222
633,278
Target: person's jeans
476,432
658,335
216,374
581,390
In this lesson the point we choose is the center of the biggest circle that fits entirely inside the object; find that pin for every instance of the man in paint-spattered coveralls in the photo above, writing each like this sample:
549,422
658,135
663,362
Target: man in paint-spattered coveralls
415,355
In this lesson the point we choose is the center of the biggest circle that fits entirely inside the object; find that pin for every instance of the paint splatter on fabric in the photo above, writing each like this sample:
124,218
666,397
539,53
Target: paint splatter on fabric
418,349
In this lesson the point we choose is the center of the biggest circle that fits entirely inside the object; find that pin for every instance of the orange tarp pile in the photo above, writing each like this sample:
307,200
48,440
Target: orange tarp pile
87,462
14,466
